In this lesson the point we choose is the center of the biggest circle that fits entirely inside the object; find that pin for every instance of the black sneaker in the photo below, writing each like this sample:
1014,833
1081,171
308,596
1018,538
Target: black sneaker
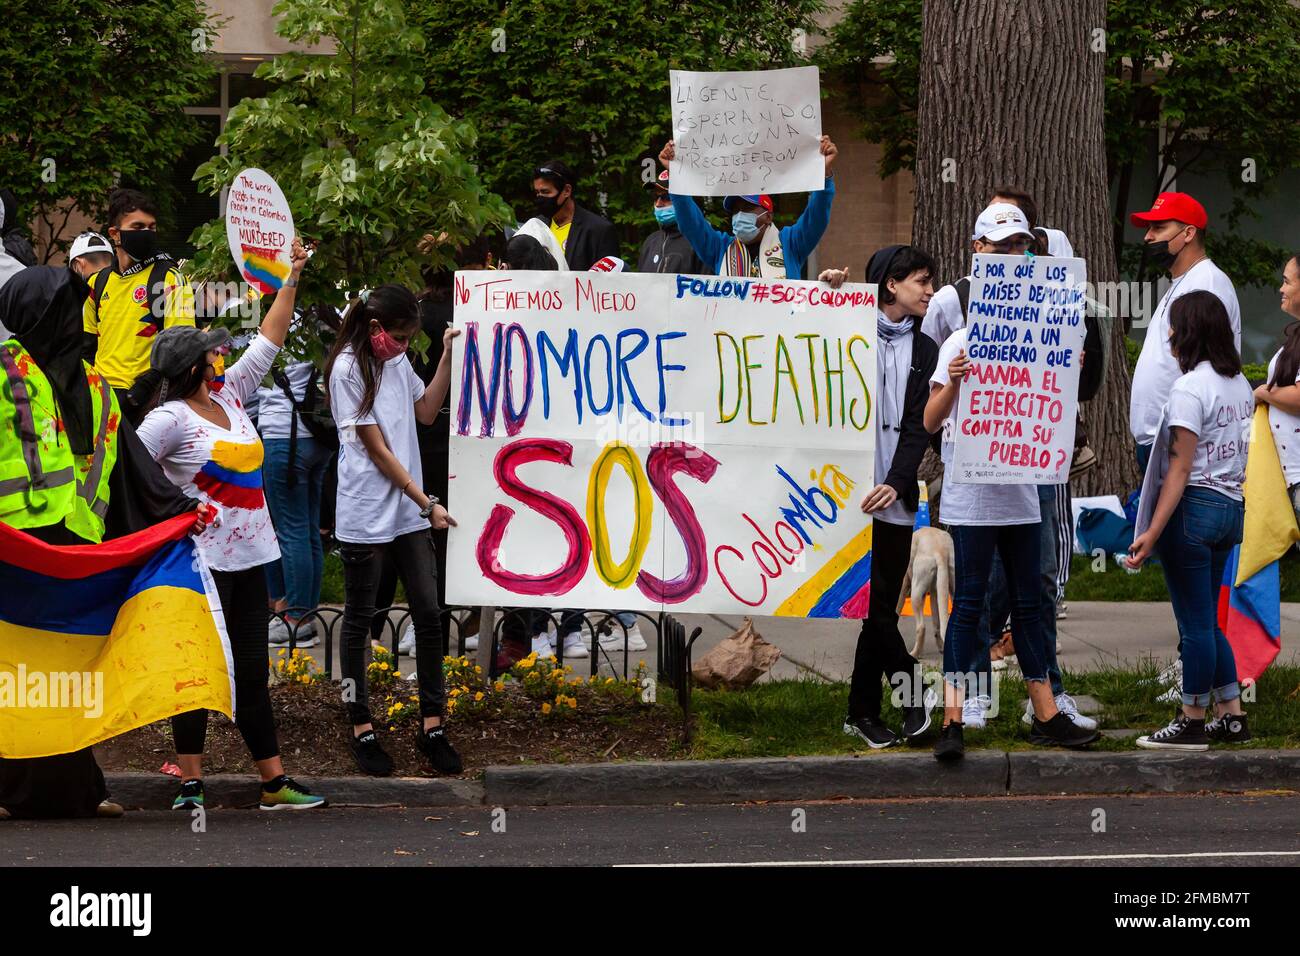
916,720
435,745
371,757
1061,731
1183,733
950,746
876,734
1228,729
190,795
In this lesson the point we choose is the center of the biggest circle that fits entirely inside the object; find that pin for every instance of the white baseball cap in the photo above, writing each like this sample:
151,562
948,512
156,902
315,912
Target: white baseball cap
1001,221
86,243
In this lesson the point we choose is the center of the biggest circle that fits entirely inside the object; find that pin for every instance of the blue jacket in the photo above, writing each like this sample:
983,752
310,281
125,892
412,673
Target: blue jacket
797,241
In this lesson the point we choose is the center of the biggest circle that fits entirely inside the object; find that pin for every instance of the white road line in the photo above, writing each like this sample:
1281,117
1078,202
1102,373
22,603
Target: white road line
986,859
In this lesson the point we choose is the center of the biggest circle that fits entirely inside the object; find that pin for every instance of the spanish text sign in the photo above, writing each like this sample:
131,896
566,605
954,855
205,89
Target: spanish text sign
639,441
1024,335
745,133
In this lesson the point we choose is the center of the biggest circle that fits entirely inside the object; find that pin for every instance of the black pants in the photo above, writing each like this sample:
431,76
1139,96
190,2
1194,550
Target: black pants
243,604
412,555
881,651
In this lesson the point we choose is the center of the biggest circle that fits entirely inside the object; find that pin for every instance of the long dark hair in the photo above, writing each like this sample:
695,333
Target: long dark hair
1288,363
1202,332
396,309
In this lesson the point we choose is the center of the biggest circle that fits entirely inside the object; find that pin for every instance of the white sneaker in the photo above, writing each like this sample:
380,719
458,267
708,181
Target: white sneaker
542,646
1066,705
974,712
406,646
1000,664
574,647
471,642
277,634
613,641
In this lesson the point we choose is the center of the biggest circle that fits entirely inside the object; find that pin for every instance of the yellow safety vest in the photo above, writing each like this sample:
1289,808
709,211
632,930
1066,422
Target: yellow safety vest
41,481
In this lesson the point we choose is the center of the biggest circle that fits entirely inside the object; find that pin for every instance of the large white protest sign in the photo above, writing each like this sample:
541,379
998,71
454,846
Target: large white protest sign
259,230
744,133
1024,335
648,441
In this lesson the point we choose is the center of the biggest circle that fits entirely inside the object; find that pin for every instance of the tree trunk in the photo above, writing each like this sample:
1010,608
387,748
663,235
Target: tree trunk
1011,94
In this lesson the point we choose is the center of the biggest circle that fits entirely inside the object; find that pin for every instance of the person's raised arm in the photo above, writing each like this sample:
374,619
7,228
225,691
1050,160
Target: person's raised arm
275,325
943,397
428,405
706,241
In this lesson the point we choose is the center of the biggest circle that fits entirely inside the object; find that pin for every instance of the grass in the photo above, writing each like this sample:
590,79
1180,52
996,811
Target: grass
805,717
331,581
1117,584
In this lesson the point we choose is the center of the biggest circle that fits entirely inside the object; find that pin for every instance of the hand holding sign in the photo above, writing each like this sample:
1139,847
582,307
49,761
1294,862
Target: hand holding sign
259,230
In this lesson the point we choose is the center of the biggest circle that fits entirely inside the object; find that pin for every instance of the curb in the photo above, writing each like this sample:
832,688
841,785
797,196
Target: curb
983,773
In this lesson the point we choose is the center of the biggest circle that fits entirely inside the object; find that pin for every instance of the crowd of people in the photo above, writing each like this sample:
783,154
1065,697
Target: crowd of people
274,448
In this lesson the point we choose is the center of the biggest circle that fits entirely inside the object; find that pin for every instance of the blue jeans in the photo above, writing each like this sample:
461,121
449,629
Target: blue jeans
295,512
997,609
973,547
1194,550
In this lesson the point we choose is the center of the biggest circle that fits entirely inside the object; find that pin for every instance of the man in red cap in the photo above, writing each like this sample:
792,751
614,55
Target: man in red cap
1175,243
755,246
666,249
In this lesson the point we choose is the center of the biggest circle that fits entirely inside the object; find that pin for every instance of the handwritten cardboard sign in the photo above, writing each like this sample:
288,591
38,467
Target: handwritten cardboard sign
259,230
745,133
643,441
1024,335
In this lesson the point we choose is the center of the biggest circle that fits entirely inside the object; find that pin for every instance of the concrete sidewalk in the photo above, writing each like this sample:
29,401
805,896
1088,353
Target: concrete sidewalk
1095,634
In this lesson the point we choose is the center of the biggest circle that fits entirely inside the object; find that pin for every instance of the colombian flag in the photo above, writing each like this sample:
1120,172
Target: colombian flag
264,269
233,475
96,640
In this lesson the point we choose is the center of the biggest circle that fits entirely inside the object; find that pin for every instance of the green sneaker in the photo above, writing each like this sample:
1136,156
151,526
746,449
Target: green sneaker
190,796
283,793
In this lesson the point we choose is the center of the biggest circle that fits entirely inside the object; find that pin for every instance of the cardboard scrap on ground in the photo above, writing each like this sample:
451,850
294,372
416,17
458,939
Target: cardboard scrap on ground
737,661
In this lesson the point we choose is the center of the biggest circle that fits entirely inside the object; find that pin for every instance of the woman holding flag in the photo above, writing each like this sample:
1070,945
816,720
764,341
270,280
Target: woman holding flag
1198,517
202,436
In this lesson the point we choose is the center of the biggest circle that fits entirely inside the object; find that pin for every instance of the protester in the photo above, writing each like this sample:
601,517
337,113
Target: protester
666,249
12,234
904,363
983,519
383,509
300,443
9,267
755,246
90,253
1281,391
130,302
112,488
525,252
208,447
584,236
1175,243
1199,515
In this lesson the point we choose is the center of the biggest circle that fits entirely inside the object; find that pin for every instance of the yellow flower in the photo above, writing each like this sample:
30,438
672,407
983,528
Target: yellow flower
282,652
609,680
453,692
478,669
573,703
478,696
499,686
546,708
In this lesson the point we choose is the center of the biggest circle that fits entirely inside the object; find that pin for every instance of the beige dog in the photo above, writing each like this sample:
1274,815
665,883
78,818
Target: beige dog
931,571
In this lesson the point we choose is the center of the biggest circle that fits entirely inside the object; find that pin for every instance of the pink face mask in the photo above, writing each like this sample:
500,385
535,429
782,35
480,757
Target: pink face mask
385,346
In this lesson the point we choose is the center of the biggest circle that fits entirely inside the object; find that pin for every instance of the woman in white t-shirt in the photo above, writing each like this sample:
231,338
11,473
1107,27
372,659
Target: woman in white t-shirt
383,511
1198,516
1281,392
984,518
201,435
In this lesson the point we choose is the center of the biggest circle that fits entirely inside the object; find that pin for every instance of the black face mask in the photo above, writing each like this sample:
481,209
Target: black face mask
1158,254
547,206
140,244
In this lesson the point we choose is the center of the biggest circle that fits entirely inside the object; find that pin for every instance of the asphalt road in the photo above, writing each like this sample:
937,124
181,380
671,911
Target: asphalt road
1140,831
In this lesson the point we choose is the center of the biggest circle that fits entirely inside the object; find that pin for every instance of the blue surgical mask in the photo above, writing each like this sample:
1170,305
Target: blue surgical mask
665,215
745,226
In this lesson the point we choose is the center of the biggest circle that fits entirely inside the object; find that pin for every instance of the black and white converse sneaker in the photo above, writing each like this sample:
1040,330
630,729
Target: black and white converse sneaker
1228,729
1183,733
876,734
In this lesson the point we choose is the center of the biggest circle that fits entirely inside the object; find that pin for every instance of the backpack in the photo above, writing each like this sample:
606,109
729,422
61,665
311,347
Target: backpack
317,418
156,285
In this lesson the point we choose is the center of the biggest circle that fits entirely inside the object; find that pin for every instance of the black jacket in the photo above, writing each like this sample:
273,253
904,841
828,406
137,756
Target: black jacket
667,250
914,439
591,237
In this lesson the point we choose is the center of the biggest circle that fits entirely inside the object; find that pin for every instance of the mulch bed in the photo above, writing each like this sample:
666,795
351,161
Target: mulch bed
312,728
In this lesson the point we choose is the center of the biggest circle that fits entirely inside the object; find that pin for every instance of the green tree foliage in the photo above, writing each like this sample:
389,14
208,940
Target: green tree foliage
1220,75
588,83
368,162
92,94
